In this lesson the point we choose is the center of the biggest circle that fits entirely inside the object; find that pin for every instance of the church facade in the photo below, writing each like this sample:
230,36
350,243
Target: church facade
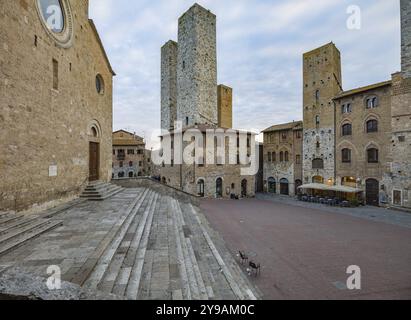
56,103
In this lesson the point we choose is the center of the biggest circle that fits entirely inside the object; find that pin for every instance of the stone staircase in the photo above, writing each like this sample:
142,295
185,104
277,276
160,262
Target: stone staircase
18,229
99,191
161,250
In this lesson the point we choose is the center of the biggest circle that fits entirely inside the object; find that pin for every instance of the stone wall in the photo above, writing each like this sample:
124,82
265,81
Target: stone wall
197,68
45,132
169,85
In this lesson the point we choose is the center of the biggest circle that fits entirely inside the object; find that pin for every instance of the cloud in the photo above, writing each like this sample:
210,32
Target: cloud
260,47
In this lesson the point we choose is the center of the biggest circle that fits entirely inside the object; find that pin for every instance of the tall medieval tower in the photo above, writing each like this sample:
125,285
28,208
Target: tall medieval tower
169,85
197,68
398,180
322,82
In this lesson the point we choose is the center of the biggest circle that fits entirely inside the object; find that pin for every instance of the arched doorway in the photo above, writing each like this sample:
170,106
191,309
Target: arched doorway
94,134
272,185
284,187
244,188
200,188
372,192
318,179
219,188
298,183
164,180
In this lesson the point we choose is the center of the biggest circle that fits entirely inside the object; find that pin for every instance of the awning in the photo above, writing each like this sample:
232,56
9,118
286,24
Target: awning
324,187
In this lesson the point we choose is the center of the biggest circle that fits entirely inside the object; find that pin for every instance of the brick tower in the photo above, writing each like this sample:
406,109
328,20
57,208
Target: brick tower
322,82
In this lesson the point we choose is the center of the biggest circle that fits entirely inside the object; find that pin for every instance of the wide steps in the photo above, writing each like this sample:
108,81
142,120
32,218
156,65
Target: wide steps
20,236
114,240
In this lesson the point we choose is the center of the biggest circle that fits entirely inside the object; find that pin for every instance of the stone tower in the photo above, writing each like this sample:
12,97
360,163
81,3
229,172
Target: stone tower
406,38
398,180
322,82
225,106
169,85
197,68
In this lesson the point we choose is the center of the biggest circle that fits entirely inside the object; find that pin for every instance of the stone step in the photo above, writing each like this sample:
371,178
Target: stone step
133,281
120,268
132,246
5,214
16,224
113,241
196,281
10,218
103,196
17,239
96,183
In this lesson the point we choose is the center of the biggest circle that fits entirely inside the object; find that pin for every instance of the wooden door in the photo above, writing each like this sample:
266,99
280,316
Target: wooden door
94,165
372,192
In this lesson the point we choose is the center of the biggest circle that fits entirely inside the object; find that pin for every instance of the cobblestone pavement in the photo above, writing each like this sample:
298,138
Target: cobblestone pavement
305,250
137,244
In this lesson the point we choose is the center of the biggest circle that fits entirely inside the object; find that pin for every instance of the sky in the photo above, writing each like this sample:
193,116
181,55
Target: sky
259,48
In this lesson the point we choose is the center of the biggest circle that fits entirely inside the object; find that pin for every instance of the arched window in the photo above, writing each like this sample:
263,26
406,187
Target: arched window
269,157
286,156
318,163
317,95
281,156
200,187
274,157
371,102
317,121
372,155
346,155
347,129
130,164
372,126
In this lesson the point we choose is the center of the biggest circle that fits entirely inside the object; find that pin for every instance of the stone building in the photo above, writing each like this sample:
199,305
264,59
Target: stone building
283,149
129,156
363,135
322,82
218,178
358,138
398,177
56,103
190,95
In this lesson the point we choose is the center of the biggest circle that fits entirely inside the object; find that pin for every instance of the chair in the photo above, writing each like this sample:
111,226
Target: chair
256,268
243,257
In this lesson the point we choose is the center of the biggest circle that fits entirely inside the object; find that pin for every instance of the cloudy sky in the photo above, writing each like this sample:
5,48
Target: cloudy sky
260,47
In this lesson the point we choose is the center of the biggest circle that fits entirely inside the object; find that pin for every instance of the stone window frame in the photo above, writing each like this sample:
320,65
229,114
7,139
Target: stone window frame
346,157
373,129
371,102
100,84
63,39
317,161
373,159
344,132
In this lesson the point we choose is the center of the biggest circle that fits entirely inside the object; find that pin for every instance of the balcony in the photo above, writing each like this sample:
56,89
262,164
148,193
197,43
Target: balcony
121,157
